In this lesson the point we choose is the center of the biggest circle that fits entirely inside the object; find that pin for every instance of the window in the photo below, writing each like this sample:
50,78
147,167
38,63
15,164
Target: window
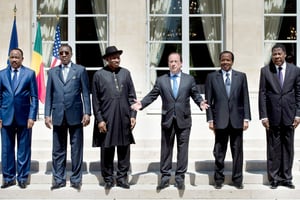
84,25
193,28
280,19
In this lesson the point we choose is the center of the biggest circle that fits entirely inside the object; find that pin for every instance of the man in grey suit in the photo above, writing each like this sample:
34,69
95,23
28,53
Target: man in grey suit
68,108
175,89
279,110
226,91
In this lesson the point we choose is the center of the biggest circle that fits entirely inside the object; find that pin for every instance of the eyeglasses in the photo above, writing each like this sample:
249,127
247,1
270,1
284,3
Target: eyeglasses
62,53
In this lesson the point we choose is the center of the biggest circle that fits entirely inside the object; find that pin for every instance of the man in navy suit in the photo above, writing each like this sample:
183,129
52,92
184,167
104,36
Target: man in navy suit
226,91
176,118
68,108
18,110
279,110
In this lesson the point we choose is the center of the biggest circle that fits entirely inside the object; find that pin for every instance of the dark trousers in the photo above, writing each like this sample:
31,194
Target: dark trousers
166,153
107,163
8,138
236,145
59,152
280,153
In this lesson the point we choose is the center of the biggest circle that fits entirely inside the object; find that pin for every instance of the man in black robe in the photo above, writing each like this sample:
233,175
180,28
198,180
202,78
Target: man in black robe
112,94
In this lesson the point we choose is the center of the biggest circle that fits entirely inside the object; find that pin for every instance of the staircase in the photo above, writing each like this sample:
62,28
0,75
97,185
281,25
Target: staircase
144,174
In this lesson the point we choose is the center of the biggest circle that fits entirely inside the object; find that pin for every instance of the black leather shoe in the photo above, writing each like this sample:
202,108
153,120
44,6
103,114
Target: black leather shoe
274,185
238,185
218,185
58,185
76,186
123,184
180,185
22,184
8,184
163,184
288,184
108,185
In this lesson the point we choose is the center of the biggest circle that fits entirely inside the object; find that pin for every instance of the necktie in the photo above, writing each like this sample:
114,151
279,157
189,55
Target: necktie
175,85
65,72
227,84
280,76
15,79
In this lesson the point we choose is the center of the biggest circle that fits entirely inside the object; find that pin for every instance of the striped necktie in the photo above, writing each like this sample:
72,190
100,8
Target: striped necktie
227,84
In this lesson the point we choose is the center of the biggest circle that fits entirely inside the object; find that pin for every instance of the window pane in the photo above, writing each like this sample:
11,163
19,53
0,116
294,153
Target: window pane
89,55
205,28
278,6
165,6
159,53
291,52
200,78
205,6
286,31
52,7
91,7
165,28
204,55
86,29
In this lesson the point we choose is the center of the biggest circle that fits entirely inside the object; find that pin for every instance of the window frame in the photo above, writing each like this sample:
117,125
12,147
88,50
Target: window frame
71,32
185,39
297,41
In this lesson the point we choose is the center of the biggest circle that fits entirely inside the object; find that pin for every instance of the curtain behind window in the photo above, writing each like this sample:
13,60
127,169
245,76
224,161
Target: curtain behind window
211,26
157,33
100,22
272,24
48,25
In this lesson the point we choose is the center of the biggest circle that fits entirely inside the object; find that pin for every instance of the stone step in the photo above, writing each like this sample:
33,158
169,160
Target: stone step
154,153
153,177
151,143
92,191
151,165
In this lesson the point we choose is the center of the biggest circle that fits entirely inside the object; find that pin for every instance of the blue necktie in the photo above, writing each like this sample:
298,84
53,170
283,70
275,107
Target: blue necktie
227,84
280,76
15,79
175,85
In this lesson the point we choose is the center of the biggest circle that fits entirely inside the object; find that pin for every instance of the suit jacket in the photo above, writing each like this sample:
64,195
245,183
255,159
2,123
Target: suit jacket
70,99
21,103
181,104
224,109
276,103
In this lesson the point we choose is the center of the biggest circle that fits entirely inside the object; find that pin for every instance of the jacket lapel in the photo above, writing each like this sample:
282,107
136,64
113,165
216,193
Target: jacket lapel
220,81
58,72
288,73
71,73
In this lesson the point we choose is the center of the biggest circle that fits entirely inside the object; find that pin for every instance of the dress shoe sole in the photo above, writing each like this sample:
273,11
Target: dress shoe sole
8,184
76,186
22,185
123,185
180,187
57,186
288,185
160,187
218,186
108,186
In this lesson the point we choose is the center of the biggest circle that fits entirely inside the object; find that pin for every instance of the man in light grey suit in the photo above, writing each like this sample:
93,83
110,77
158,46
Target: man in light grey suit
279,110
175,90
68,108
226,91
